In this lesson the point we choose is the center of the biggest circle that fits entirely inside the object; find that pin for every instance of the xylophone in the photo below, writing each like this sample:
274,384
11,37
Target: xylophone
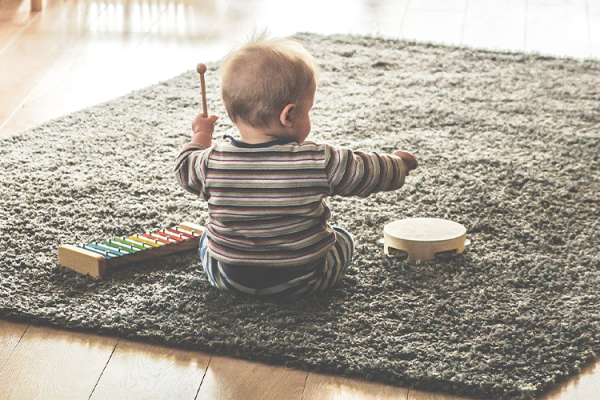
97,258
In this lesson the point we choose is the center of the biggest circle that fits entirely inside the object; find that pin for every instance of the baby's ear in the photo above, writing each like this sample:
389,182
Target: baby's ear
286,114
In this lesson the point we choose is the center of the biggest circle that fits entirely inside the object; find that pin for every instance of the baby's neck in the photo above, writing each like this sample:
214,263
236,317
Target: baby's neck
252,135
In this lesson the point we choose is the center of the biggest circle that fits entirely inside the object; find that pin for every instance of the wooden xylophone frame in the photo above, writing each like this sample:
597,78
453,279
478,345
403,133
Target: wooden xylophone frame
89,262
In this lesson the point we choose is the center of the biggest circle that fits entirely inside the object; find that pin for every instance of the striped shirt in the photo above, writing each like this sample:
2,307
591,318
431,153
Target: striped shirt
266,201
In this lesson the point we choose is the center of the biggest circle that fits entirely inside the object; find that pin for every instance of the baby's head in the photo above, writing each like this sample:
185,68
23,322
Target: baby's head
268,86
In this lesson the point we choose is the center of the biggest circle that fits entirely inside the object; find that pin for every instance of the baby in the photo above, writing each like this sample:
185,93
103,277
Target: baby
267,234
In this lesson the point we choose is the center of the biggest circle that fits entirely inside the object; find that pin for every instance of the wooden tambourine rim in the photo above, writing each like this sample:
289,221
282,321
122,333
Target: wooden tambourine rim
426,249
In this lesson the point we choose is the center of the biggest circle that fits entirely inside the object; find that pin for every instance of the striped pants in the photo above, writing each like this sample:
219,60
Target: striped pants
284,283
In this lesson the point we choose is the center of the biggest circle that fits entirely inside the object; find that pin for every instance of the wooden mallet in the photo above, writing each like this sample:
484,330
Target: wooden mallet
201,68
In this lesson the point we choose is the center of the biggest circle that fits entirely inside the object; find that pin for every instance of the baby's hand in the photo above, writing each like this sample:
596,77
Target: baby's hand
204,124
409,160
203,128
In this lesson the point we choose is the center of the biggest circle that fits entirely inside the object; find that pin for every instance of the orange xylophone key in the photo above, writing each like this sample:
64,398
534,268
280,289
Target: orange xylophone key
169,235
156,237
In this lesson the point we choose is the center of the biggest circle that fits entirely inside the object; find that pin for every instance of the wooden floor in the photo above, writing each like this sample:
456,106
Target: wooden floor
76,53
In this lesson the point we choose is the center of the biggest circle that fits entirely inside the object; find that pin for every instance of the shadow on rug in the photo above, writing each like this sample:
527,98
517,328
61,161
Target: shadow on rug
508,145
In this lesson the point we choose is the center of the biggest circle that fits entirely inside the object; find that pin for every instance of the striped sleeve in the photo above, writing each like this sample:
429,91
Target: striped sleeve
357,173
190,169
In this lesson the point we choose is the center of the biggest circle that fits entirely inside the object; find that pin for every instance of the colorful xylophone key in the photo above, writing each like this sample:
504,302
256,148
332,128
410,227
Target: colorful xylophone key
96,258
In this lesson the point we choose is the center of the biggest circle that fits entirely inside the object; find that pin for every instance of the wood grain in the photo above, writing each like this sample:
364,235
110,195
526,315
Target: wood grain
143,371
14,18
231,379
53,364
28,58
10,336
327,387
424,395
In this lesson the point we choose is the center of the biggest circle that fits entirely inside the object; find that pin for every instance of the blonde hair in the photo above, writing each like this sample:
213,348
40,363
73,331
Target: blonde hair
265,75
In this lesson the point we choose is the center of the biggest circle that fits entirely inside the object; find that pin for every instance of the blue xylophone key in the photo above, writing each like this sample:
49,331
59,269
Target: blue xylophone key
111,250
119,246
103,253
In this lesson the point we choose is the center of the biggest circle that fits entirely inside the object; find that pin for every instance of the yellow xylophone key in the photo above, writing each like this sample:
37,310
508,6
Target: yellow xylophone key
146,241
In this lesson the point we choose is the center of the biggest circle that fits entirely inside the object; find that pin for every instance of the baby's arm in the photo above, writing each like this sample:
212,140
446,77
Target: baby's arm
190,168
357,173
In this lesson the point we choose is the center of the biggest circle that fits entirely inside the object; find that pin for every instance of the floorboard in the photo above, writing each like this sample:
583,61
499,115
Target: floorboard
229,379
49,363
327,387
142,371
10,336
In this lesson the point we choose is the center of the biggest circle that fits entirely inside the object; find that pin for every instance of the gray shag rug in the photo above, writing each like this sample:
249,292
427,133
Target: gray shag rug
508,145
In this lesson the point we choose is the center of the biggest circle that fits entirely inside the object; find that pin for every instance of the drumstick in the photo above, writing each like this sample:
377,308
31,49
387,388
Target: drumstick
201,68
